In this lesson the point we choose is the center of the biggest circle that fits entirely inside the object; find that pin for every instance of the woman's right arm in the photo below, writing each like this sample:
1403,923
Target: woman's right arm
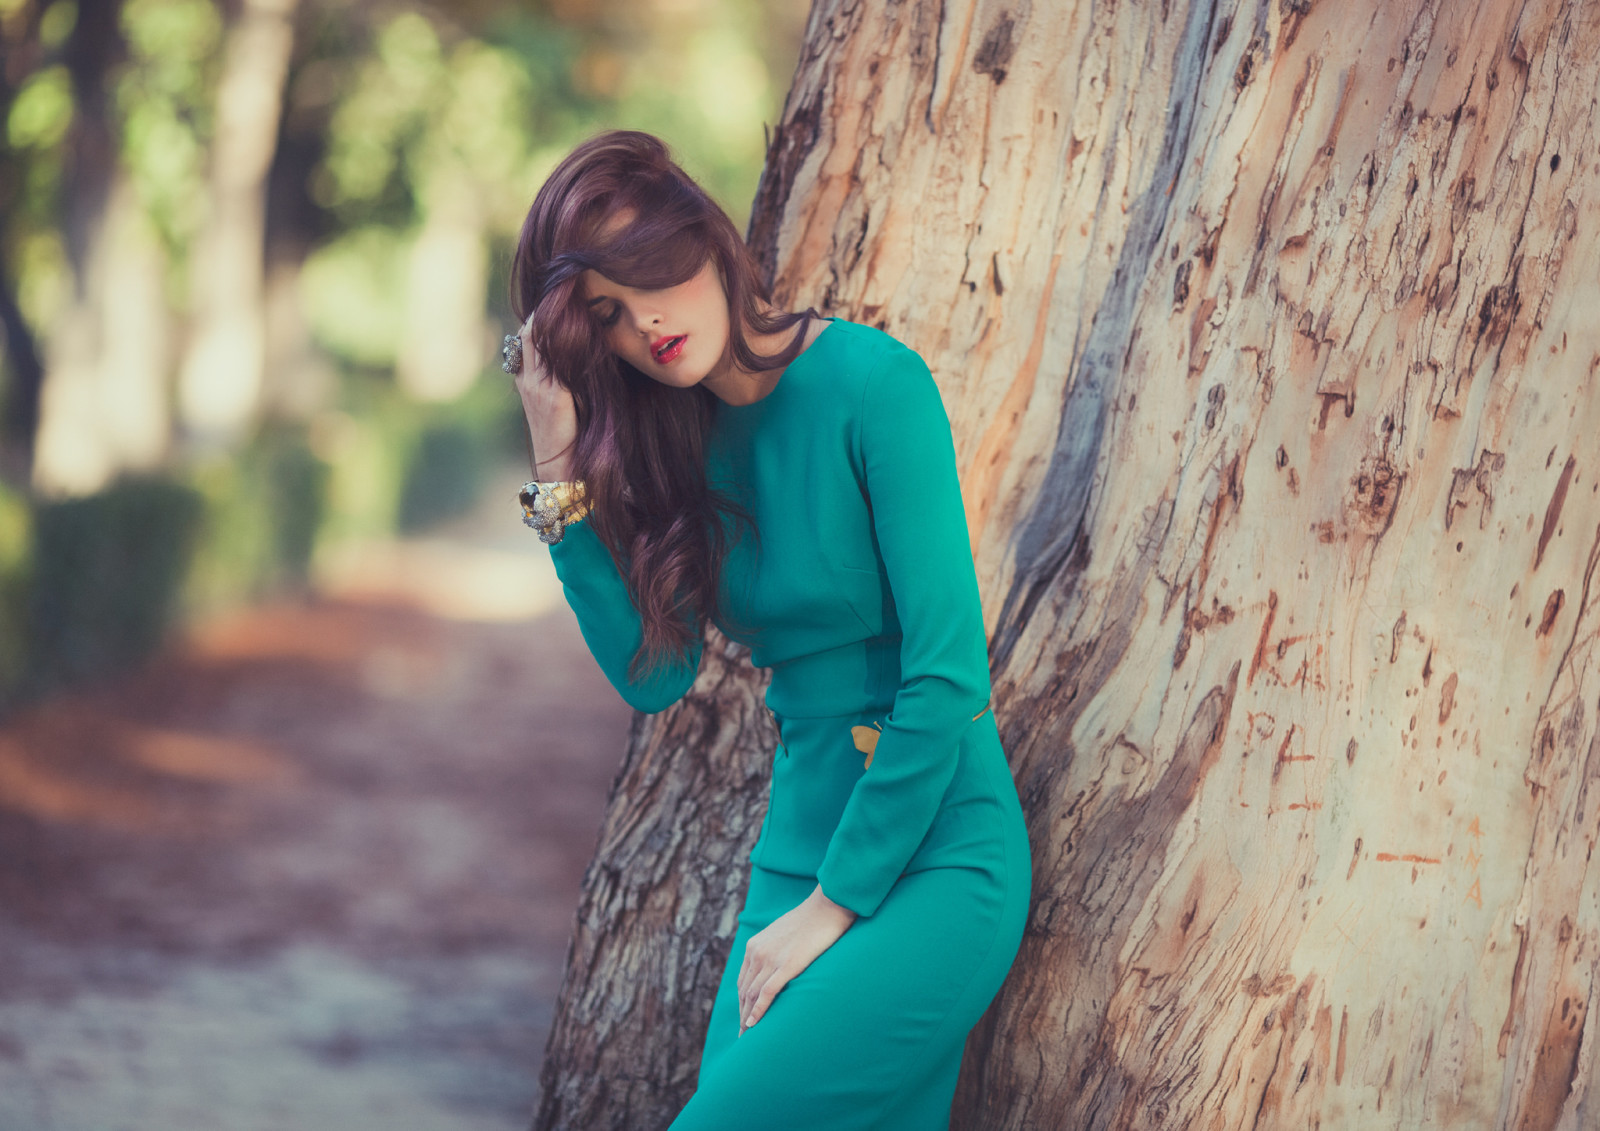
594,588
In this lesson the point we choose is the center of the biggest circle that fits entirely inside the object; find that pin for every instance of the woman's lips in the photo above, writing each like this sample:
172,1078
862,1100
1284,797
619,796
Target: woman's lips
668,348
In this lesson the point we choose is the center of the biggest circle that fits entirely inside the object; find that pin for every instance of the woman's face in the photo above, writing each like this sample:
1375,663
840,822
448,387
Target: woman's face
676,335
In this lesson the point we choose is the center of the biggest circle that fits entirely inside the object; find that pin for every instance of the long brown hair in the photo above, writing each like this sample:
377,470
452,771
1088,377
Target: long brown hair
641,445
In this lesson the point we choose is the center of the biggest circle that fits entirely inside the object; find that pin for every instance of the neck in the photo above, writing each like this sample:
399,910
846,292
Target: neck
734,384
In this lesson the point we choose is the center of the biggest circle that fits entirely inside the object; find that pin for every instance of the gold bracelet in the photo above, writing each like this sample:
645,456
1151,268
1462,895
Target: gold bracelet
550,505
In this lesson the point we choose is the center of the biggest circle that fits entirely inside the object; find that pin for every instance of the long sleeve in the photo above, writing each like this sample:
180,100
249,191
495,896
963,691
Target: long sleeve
908,456
610,623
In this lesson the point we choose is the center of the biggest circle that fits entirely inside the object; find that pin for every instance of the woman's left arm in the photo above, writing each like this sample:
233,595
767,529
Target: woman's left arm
909,459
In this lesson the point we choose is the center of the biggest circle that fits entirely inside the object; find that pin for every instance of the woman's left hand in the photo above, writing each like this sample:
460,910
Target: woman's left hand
786,947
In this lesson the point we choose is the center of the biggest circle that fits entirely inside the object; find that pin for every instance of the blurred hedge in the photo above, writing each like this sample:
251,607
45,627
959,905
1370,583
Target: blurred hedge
93,584
262,508
104,578
16,548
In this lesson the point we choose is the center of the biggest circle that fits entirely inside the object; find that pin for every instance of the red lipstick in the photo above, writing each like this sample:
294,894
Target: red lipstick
667,349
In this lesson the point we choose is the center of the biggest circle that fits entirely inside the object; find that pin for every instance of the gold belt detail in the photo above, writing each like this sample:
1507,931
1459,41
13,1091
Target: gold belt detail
866,737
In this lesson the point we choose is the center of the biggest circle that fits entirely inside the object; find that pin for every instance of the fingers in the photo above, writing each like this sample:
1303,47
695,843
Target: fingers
778,954
532,370
759,982
744,984
759,994
751,974
530,355
763,998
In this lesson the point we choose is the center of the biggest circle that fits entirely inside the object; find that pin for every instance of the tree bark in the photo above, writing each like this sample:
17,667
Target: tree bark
20,54
659,904
99,405
220,386
1266,332
104,406
19,412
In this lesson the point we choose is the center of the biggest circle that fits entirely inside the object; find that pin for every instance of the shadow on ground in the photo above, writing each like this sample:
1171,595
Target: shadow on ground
314,867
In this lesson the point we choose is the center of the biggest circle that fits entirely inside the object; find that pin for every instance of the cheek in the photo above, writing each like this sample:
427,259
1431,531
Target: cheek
712,309
718,304
619,341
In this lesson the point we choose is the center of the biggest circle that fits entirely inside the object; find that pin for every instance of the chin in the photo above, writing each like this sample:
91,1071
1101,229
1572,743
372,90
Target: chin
679,378
685,376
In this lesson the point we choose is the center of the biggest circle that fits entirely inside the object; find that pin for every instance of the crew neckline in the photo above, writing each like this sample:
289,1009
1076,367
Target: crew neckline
784,376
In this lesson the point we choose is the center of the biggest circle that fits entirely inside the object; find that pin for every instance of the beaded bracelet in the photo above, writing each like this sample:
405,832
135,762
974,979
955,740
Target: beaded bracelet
550,505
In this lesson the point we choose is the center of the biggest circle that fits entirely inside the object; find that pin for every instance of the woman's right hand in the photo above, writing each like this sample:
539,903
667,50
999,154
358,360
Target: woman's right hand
552,419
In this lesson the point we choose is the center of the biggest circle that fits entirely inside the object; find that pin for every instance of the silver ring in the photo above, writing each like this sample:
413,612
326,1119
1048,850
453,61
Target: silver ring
511,354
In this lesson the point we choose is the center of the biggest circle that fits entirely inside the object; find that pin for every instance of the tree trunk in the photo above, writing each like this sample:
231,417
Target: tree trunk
1267,334
442,344
101,404
220,386
659,904
20,55
19,408
105,405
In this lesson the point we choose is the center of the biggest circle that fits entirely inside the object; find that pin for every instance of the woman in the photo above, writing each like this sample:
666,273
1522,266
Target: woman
701,455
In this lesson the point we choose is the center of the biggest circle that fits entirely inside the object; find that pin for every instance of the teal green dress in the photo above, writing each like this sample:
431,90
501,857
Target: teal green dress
889,784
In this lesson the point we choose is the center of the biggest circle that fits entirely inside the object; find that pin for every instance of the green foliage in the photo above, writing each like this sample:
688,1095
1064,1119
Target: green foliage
398,466
91,584
472,125
164,96
422,116
423,127
453,452
41,111
105,578
16,553
707,94
445,475
353,295
57,23
263,508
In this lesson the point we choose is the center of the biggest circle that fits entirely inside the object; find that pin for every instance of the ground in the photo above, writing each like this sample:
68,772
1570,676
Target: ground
313,867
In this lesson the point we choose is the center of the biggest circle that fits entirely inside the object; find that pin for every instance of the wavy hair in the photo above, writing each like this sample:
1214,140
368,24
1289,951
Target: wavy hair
641,445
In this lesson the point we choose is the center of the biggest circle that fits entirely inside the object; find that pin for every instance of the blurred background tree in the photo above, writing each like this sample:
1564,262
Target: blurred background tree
252,273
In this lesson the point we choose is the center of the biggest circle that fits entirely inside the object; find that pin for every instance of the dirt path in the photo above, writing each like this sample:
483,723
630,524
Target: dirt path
313,868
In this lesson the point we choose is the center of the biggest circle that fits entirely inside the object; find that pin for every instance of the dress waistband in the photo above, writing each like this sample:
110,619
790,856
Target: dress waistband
862,676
